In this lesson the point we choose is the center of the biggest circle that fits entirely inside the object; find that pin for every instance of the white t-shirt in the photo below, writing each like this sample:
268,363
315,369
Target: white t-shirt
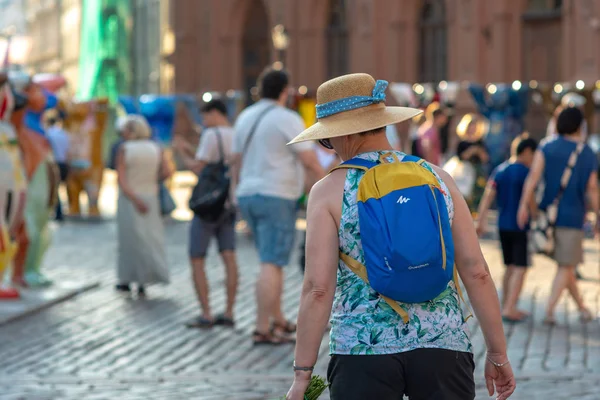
392,136
326,157
208,149
269,166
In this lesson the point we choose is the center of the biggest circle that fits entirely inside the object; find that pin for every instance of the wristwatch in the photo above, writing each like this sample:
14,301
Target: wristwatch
306,369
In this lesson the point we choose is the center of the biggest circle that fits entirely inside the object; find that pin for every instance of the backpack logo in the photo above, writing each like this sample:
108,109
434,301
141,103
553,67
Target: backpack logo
403,200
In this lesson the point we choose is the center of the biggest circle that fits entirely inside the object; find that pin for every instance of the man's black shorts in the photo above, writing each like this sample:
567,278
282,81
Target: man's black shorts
422,374
515,248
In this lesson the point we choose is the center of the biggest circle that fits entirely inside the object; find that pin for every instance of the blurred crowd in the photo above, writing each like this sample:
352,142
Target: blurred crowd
247,171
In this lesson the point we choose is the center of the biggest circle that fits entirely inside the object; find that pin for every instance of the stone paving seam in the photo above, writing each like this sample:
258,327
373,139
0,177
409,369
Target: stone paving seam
44,306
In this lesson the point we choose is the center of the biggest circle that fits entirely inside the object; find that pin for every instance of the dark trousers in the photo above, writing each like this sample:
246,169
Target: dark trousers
422,374
63,169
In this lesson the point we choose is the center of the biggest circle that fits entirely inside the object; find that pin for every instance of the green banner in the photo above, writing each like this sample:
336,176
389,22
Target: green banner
104,57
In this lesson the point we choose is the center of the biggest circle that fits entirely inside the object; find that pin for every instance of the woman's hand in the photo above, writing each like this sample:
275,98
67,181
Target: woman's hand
140,206
468,153
483,154
499,379
299,387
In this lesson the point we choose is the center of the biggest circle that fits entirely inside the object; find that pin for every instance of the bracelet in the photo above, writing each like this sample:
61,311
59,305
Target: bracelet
497,365
306,369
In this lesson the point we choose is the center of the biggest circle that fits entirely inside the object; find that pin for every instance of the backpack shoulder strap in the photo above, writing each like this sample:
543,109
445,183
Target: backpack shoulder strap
253,129
356,163
360,270
220,144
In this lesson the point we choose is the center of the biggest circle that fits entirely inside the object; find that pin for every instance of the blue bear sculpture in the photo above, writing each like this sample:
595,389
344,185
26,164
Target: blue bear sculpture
505,109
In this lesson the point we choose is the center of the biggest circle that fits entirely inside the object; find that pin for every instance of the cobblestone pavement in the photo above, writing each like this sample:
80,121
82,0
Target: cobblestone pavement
101,345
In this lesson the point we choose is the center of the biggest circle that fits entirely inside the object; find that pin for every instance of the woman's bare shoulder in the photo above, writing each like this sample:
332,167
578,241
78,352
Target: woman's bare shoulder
331,185
327,194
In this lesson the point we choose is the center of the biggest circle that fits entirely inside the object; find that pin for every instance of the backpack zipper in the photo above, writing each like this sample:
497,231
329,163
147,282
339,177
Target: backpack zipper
440,226
387,264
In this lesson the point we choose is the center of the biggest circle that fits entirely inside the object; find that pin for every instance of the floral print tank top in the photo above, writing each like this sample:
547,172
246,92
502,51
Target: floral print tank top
362,323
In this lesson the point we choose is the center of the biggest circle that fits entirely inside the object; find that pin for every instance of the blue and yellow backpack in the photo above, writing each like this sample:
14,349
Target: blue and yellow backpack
405,231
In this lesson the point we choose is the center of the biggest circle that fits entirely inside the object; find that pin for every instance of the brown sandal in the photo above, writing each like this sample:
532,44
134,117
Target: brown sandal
287,327
270,339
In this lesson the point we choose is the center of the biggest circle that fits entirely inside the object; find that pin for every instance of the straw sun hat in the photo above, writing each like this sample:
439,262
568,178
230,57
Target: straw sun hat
352,104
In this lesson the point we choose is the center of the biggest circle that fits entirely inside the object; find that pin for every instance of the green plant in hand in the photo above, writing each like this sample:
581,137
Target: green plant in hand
315,389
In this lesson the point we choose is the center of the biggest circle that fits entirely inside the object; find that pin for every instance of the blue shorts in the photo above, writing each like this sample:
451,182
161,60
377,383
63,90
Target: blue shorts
273,224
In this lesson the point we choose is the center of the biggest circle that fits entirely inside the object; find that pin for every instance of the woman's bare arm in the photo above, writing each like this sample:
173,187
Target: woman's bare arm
322,255
484,206
122,175
475,274
166,169
592,192
527,205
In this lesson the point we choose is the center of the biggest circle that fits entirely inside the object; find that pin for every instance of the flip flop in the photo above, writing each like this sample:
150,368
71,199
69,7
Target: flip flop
222,320
549,321
200,322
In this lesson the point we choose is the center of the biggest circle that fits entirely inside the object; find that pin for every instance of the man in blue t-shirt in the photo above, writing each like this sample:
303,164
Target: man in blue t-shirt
506,185
580,192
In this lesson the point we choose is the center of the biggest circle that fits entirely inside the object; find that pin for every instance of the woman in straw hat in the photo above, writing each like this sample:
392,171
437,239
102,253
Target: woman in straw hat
374,354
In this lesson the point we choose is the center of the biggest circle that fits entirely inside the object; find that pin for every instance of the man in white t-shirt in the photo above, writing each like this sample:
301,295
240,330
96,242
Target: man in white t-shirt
270,181
215,142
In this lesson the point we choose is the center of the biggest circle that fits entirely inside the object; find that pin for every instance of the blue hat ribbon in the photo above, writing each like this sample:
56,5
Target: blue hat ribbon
353,102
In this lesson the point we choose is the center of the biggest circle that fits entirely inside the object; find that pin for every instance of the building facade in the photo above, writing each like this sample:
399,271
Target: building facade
224,44
52,29
70,28
152,42
12,17
44,30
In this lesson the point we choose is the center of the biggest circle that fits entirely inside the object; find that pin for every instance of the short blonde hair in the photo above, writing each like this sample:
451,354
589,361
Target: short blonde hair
137,126
481,126
431,108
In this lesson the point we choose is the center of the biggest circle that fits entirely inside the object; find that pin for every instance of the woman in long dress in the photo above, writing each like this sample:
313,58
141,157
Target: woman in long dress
140,166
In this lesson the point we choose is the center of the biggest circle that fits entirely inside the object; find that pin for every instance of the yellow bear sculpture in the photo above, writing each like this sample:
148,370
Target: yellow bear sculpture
85,122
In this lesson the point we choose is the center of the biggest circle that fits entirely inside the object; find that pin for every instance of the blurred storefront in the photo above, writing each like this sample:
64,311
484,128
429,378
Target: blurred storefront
70,26
12,17
54,31
44,29
224,44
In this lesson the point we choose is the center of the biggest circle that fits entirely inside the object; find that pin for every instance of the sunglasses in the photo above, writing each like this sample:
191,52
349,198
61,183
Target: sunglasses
326,143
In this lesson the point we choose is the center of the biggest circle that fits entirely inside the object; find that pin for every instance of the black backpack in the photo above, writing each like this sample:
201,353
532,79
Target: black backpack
210,194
